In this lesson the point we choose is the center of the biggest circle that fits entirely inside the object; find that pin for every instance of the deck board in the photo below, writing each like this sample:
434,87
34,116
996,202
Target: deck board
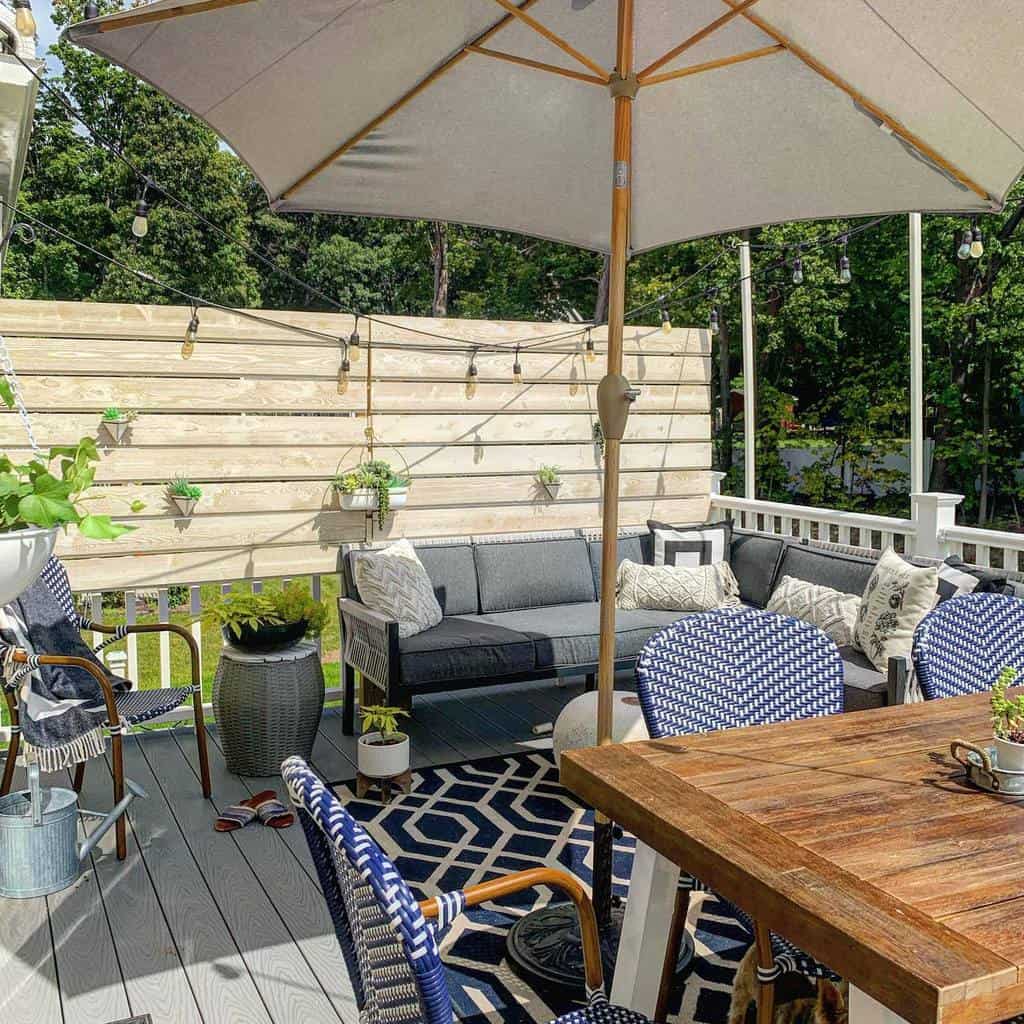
201,928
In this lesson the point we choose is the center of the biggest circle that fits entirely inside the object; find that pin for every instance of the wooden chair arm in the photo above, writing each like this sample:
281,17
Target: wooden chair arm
554,879
94,670
156,627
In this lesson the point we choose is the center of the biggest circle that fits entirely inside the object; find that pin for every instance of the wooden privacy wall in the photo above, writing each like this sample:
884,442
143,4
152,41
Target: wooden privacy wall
255,419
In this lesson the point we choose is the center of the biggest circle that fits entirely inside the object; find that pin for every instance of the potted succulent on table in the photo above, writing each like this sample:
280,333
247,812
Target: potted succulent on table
383,751
268,622
116,421
185,495
551,479
372,486
1008,723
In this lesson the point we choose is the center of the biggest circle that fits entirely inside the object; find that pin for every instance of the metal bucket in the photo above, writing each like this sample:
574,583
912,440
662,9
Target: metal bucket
39,851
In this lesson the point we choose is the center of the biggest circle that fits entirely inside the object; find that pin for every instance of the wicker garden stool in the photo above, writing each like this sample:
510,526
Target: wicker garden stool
268,706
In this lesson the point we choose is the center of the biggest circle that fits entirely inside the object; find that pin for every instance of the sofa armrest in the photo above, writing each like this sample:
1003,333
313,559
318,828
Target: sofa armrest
369,643
897,679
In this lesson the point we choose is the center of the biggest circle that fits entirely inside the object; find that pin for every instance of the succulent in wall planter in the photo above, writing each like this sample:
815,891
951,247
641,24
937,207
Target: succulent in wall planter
184,495
550,479
383,751
1008,723
372,487
116,422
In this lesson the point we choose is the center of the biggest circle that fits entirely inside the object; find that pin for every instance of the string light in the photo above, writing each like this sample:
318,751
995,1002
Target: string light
343,369
798,271
471,375
977,246
517,369
140,223
589,352
964,252
188,346
24,20
713,323
666,322
845,275
353,342
92,10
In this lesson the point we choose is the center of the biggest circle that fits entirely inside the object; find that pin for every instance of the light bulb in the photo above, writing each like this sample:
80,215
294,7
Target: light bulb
964,252
666,323
91,10
845,276
713,321
517,372
343,373
798,271
353,346
188,346
977,246
24,21
471,375
140,225
589,352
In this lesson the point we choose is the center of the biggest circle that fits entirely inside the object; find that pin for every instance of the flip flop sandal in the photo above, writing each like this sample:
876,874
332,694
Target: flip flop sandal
273,813
241,814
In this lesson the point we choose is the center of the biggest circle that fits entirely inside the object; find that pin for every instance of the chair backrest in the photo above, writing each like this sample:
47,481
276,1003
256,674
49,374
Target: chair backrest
963,645
730,668
389,947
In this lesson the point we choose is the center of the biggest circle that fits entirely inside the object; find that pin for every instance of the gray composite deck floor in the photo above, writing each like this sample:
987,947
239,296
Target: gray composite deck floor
197,926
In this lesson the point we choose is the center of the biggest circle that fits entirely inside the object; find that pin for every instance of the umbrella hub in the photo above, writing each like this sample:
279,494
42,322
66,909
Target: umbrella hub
619,85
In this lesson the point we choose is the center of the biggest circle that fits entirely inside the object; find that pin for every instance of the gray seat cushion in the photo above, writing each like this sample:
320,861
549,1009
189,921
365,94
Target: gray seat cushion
863,685
464,647
533,574
638,548
567,634
755,562
846,573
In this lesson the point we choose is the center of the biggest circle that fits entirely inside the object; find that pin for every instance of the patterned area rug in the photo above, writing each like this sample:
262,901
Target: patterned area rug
466,823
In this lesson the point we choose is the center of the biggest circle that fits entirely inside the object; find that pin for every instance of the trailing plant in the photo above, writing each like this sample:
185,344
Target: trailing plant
179,487
1007,712
112,414
383,719
52,489
292,603
549,475
377,476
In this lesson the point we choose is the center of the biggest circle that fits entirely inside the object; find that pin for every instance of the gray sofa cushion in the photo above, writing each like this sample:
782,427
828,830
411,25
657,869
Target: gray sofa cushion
452,571
533,574
863,685
846,573
755,562
567,634
629,547
464,647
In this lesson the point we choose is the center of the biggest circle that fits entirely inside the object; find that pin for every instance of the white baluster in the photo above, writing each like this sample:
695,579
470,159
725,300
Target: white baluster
316,589
164,615
982,555
195,607
130,616
96,614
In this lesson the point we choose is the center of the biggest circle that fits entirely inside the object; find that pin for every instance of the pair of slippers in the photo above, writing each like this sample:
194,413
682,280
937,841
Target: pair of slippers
263,806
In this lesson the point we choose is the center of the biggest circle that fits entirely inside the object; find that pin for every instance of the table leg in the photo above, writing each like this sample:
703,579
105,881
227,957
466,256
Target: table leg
864,1009
645,928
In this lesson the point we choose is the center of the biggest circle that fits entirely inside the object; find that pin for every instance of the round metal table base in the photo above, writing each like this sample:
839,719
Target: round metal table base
545,947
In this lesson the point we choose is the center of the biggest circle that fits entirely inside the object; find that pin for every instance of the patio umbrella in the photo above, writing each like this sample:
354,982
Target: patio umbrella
615,125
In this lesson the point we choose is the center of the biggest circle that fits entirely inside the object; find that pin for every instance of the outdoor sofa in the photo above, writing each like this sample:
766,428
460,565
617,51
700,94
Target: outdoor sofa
519,607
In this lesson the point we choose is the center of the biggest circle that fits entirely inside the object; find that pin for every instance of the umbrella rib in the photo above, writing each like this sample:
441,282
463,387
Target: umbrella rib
721,62
402,100
891,123
643,77
557,40
580,76
144,17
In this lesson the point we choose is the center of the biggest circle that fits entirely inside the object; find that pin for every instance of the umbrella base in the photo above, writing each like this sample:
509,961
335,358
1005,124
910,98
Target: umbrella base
545,948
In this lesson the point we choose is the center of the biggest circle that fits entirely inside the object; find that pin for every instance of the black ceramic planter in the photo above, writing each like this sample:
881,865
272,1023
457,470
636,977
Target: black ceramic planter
266,638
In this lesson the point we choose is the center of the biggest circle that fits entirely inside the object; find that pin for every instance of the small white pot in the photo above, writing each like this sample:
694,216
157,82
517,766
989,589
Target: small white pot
365,499
553,489
23,553
1009,755
382,760
186,506
116,429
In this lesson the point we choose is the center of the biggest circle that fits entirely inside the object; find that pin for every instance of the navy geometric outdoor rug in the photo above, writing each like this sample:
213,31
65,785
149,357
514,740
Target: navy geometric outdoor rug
465,823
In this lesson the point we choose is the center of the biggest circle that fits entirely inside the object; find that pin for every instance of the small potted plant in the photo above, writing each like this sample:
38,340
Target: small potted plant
116,421
383,751
268,622
372,486
1008,723
551,480
185,495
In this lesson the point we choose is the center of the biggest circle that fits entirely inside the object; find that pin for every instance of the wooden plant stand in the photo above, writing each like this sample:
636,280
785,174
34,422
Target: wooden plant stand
402,783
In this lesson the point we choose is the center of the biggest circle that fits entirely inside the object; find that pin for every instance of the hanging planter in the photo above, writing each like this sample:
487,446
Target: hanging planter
116,422
372,487
23,553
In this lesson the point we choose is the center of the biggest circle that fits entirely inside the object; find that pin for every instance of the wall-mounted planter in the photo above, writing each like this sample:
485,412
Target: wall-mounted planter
364,499
553,489
116,429
23,553
185,506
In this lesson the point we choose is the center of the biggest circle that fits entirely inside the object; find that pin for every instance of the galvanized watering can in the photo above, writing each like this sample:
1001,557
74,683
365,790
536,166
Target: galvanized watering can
39,850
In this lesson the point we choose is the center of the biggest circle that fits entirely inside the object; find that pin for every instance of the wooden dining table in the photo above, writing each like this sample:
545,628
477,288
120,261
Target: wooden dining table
855,836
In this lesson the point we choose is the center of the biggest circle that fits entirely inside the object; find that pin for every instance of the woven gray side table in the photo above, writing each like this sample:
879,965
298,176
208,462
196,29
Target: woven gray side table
268,706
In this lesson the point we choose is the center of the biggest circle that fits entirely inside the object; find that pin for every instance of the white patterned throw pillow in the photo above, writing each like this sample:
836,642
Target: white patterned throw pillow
392,581
676,588
832,611
896,599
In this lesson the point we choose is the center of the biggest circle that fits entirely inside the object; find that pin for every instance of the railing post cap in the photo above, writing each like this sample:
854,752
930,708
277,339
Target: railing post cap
940,498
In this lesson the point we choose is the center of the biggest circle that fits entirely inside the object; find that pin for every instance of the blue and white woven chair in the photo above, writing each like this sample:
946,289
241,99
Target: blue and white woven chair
963,645
126,707
389,940
723,670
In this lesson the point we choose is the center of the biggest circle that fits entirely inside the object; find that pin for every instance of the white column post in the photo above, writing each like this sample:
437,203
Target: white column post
917,452
932,513
749,376
716,477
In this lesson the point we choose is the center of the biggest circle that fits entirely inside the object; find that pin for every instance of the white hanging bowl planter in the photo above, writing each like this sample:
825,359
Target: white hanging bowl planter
379,760
116,429
186,506
23,553
364,499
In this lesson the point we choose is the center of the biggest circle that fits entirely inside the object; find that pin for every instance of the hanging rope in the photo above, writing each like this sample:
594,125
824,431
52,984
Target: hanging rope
19,402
